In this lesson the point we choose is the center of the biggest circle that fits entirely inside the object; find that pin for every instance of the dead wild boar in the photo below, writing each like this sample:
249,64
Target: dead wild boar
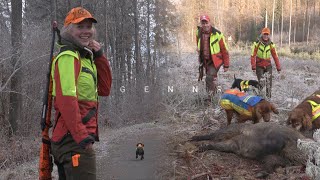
272,144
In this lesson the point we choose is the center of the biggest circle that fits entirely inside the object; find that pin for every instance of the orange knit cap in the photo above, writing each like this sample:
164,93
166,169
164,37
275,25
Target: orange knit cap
77,15
265,31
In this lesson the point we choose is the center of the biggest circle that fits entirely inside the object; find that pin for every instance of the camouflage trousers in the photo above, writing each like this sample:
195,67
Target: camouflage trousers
267,80
74,162
211,79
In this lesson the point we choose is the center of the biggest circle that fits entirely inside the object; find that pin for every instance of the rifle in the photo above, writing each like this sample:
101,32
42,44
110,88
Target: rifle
45,161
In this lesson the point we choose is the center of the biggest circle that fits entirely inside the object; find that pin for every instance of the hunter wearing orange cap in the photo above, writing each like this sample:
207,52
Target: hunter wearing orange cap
77,15
262,50
80,73
213,53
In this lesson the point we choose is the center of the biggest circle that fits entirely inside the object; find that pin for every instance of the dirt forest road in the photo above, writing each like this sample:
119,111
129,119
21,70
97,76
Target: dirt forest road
116,153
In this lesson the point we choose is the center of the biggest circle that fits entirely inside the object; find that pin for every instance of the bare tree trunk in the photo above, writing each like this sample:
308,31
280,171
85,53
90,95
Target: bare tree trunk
4,97
295,23
273,7
314,14
304,25
266,19
129,66
290,22
138,59
16,81
148,70
308,33
281,33
105,23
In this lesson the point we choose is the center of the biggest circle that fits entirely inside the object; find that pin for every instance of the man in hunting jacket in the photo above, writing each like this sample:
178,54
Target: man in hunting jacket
262,49
213,53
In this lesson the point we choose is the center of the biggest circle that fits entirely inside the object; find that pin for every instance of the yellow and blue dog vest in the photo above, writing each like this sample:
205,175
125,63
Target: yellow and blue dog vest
240,102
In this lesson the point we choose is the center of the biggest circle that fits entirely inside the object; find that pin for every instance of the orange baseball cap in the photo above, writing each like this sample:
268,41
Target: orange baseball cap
265,31
77,15
204,18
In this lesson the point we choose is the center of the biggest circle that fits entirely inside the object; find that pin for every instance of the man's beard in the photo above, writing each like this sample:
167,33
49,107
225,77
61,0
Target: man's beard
206,29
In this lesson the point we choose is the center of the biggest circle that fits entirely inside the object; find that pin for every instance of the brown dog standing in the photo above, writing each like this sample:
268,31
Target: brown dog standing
140,151
248,107
306,115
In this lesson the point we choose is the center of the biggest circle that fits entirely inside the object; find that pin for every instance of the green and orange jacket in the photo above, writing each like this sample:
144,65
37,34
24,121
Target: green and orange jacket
218,48
261,53
78,80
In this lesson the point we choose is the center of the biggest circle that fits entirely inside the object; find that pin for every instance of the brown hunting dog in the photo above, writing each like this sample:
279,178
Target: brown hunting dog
306,116
140,151
247,107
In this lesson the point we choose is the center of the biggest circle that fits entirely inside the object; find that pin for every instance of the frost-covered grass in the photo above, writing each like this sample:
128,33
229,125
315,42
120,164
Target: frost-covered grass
297,80
297,51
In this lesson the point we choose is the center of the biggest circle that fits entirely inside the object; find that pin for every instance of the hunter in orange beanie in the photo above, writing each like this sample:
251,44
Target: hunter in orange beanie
261,53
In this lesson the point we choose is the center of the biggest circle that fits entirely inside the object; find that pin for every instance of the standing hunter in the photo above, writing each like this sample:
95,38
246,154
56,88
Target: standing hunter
261,61
213,53
80,73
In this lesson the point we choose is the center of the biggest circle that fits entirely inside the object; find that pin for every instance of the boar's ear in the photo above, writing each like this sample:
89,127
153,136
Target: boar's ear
307,122
234,76
274,109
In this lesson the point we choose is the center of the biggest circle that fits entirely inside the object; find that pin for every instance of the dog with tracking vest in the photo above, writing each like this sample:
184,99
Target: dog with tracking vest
306,115
140,151
244,85
247,107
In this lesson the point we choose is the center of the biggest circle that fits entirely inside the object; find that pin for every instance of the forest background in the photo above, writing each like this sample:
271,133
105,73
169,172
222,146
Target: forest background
142,39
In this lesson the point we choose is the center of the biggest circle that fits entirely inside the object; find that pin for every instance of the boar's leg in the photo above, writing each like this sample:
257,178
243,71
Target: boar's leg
225,146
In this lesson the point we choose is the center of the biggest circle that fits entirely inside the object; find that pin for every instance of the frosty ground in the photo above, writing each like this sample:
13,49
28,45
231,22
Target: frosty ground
186,114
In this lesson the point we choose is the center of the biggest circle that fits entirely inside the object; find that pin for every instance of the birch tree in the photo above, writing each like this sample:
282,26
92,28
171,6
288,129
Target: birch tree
273,8
290,22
